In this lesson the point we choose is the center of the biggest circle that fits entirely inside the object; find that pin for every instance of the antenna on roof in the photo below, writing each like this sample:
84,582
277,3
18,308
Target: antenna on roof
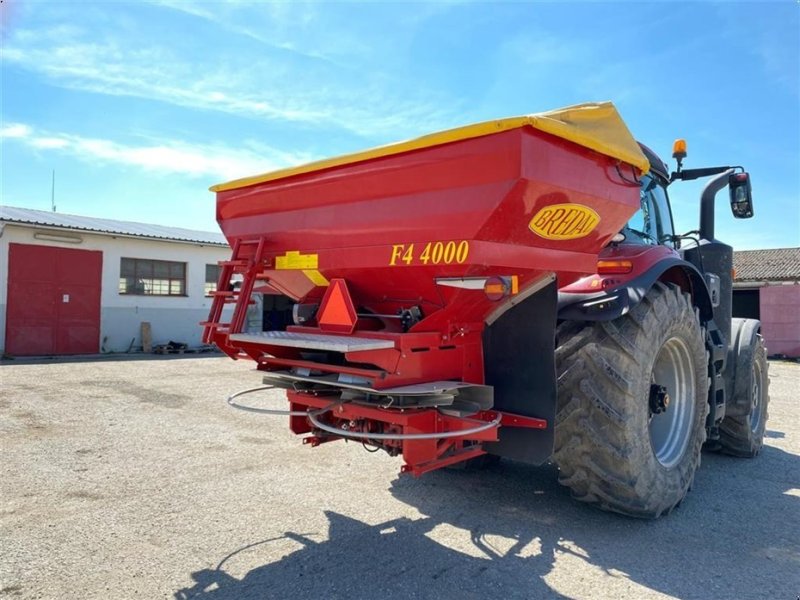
53,192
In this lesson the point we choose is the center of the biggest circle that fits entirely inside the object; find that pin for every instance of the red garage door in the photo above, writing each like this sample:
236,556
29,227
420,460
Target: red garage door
53,300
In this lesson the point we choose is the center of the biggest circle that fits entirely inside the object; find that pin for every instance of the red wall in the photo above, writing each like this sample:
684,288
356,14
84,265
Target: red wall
780,319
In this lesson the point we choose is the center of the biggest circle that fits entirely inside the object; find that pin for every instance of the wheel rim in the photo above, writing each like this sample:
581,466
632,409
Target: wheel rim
670,430
755,409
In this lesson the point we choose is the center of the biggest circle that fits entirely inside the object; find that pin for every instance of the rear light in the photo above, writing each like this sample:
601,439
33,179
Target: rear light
614,267
497,288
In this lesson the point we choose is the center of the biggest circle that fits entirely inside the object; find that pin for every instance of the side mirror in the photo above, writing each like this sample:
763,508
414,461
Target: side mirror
741,195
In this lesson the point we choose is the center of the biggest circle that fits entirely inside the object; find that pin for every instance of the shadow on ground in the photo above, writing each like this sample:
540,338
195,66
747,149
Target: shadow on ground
512,532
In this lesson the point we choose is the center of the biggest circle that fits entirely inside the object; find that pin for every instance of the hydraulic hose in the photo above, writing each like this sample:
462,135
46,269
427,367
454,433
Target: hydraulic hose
263,411
313,414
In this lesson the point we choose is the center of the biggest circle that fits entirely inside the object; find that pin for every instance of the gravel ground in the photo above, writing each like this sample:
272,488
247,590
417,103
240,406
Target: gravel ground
134,479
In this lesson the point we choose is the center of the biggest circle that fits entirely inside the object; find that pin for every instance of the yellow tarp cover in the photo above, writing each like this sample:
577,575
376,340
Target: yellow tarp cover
595,125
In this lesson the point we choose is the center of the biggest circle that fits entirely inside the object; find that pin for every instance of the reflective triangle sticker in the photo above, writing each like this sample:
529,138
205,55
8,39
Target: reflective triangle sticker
337,312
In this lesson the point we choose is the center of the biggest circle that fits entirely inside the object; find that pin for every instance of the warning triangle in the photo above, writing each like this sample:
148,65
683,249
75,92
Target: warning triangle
337,312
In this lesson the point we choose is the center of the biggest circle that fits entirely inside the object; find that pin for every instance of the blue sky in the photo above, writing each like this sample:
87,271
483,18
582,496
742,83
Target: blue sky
140,106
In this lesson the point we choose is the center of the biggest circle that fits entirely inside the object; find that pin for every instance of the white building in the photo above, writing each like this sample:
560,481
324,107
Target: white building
80,285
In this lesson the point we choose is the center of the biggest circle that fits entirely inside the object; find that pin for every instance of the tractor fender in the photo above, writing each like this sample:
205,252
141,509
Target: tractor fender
739,375
613,303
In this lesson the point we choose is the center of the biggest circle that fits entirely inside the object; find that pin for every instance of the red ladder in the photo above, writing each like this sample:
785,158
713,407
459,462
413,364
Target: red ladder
246,259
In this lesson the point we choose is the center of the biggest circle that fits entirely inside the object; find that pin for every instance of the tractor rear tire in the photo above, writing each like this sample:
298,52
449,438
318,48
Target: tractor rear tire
744,435
618,443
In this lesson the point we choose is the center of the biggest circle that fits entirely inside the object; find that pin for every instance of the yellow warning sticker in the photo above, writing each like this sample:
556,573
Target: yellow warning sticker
316,277
564,221
293,259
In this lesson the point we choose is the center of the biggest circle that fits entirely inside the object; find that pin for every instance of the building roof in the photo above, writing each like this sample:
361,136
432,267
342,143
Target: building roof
28,216
778,264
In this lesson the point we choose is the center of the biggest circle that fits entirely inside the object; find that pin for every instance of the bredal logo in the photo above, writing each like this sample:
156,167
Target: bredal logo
564,221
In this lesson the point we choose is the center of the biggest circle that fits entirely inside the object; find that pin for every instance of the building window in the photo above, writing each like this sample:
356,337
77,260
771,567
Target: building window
143,277
212,276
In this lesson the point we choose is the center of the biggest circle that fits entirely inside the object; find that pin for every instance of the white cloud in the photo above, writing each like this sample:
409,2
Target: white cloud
155,74
270,24
44,143
278,63
151,74
15,130
169,157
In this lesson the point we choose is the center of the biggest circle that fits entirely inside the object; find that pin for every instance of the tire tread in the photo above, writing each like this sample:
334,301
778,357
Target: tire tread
600,366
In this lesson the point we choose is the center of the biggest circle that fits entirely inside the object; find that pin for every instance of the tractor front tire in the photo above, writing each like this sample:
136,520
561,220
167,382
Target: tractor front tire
632,405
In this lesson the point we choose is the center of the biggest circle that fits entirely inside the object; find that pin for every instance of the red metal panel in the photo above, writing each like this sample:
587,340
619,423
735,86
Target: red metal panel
377,224
53,300
79,274
420,455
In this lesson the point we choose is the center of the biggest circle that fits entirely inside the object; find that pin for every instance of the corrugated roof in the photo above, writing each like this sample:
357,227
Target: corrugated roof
29,216
777,264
